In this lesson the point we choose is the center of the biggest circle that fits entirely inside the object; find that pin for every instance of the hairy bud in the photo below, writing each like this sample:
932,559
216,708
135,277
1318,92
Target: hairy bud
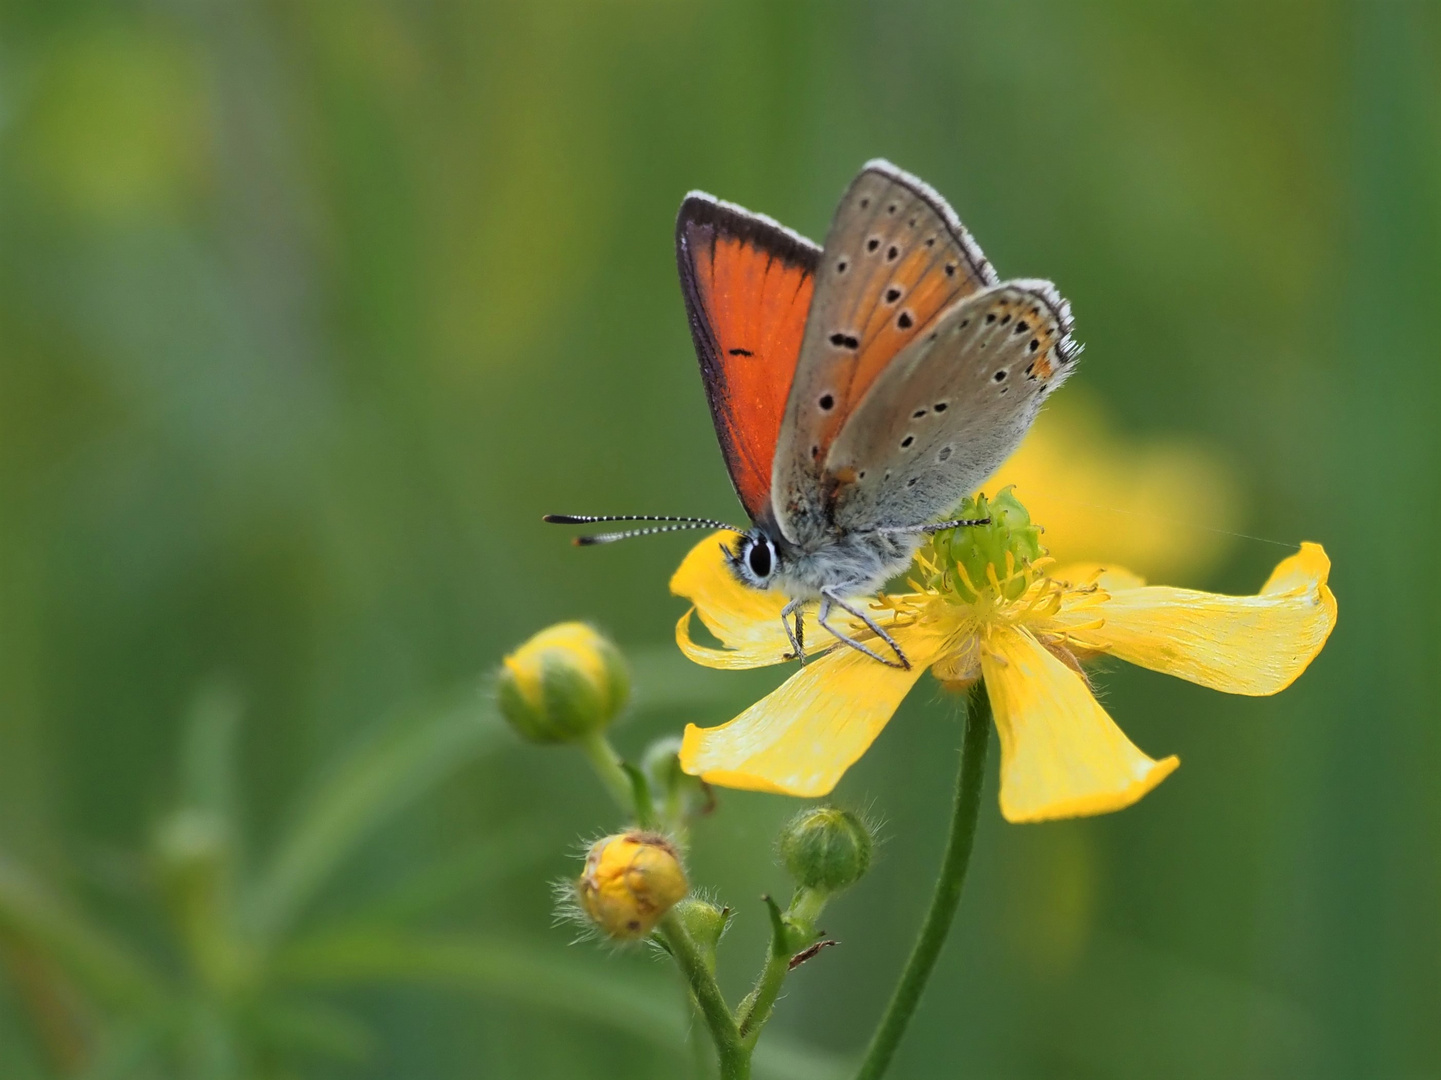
566,682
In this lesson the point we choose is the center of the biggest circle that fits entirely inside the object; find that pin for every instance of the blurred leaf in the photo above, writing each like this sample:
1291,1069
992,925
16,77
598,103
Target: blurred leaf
454,876
60,1020
117,123
374,781
1209,1023
208,764
665,680
127,1052
100,964
314,1027
648,1009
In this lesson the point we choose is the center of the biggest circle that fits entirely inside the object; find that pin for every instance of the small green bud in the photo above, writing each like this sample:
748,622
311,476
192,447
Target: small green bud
705,923
563,684
661,763
678,794
194,855
192,851
966,558
826,848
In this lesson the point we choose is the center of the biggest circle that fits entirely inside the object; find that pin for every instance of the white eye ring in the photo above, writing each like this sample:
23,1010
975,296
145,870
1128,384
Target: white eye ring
758,558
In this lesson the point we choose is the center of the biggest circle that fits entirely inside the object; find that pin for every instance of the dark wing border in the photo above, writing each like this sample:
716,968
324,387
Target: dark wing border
728,219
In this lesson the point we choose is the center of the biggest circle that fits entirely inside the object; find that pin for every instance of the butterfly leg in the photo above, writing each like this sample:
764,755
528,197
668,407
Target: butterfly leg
798,635
827,599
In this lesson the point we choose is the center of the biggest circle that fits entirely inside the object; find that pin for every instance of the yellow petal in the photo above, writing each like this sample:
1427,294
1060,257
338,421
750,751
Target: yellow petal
1107,575
1103,495
1061,754
760,653
1252,645
746,620
800,739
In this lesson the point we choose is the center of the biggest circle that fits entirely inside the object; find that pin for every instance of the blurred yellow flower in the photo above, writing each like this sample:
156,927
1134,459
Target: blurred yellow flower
987,604
1163,507
630,880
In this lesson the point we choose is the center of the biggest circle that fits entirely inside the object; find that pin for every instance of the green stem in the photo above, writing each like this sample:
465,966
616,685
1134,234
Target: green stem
789,933
755,1010
947,895
734,1056
606,763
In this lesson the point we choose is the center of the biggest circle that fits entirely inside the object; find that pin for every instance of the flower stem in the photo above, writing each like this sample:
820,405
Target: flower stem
606,763
755,1010
947,896
735,1057
789,931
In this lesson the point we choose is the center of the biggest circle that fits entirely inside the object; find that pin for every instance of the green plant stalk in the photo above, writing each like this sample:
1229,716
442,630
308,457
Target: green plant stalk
947,896
755,1010
606,763
734,1056
373,781
789,934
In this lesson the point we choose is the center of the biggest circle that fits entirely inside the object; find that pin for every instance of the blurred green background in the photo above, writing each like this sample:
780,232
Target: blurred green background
309,310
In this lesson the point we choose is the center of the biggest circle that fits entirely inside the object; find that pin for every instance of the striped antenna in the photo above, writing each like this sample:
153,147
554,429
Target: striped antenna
680,525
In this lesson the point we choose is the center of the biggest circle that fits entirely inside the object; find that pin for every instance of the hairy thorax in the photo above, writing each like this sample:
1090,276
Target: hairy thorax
847,564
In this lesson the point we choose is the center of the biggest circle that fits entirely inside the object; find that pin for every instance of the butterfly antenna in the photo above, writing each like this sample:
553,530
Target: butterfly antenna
680,524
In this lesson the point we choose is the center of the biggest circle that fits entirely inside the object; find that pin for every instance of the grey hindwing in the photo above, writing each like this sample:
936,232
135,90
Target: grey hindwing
895,258
944,415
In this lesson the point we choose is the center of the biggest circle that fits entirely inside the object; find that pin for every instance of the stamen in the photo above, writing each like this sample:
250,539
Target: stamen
966,580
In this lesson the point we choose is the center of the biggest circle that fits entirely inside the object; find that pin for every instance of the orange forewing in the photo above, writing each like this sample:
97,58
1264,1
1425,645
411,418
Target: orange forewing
747,283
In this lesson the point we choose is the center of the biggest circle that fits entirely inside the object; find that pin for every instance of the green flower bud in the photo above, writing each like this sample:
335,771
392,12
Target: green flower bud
194,856
975,559
826,848
192,851
705,923
563,684
678,794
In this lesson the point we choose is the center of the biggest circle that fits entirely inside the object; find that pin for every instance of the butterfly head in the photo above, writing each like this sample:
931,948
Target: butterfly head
755,559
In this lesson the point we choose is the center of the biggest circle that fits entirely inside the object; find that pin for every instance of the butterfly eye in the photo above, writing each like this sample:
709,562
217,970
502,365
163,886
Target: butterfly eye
759,558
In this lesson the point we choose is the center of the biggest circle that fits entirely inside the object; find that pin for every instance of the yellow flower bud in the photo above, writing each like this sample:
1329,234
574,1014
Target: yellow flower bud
631,879
563,684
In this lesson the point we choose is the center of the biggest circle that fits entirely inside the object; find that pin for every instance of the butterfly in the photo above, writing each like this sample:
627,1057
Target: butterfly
859,389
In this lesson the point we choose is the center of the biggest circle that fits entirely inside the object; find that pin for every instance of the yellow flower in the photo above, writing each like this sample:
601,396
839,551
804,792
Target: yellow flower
1161,506
985,606
630,880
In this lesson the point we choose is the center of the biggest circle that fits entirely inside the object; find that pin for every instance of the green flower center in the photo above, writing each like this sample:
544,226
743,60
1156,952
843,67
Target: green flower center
992,559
